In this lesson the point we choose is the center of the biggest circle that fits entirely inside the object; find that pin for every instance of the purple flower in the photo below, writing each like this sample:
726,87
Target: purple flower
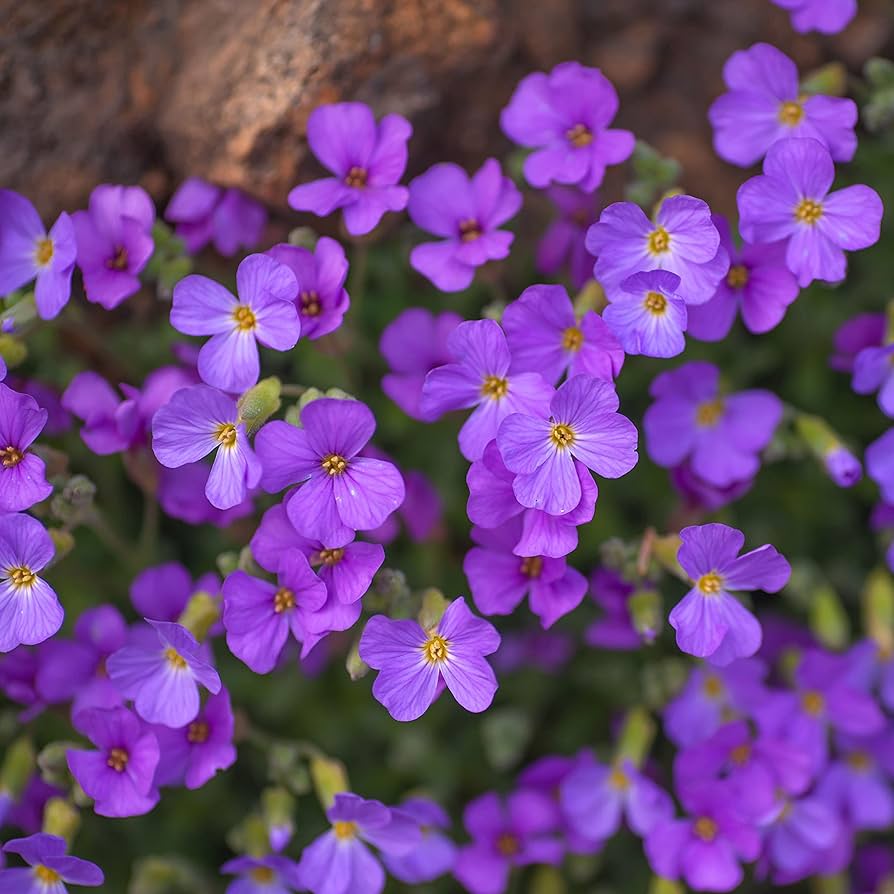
119,775
342,492
204,213
413,661
706,848
583,426
480,377
545,336
23,479
614,630
435,853
264,312
564,117
162,674
874,371
192,754
48,398
339,861
701,495
758,283
50,867
650,317
499,580
596,797
114,239
547,650
721,436
413,344
564,238
29,609
466,213
791,201
28,252
162,591
259,615
852,336
367,159
842,466
880,464
322,300
514,833
765,105
181,494
710,621
825,16
492,504
272,874
196,421
682,239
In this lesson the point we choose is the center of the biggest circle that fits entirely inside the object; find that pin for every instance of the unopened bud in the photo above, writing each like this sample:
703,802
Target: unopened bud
329,778
827,619
637,735
278,808
62,818
201,613
19,763
259,403
434,604
646,607
356,667
53,763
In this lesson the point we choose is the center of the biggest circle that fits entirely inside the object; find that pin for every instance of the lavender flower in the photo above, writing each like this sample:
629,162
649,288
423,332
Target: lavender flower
181,494
435,853
564,117
50,867
873,368
412,661
23,479
162,591
791,201
851,337
842,466
880,464
466,213
825,16
114,240
563,241
367,159
264,312
28,252
272,874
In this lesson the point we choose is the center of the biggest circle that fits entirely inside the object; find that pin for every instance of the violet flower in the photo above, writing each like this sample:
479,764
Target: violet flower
181,494
614,630
852,336
435,853
50,868
879,458
874,371
563,241
825,16
163,591
272,874
23,479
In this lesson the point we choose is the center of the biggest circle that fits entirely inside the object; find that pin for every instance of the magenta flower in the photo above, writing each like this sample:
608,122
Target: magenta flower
563,241
710,622
564,117
721,436
322,300
791,201
413,344
51,869
29,609
504,835
342,492
119,774
765,104
825,16
206,213
435,853
114,239
23,479
682,239
272,874
196,421
259,615
162,674
466,213
758,283
650,317
340,861
194,753
499,580
367,159
583,426
28,252
413,661
264,312
545,336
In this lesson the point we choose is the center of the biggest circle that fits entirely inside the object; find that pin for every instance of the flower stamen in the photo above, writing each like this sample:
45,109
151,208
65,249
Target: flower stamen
655,303
659,241
494,387
244,317
562,435
333,464
579,136
808,211
434,649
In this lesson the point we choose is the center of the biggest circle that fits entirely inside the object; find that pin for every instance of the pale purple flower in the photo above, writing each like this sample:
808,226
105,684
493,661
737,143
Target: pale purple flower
264,312
50,868
342,492
480,377
367,160
28,252
544,335
205,213
765,104
272,874
791,201
564,116
825,16
413,661
582,426
466,212
564,238
196,421
682,239
114,239
435,853
23,479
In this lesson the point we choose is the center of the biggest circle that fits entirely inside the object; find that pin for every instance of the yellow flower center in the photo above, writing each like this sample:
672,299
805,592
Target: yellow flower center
562,435
333,464
494,387
579,136
283,600
21,576
434,649
197,732
712,686
118,261
706,828
117,759
344,829
175,659
791,113
46,875
655,303
507,845
710,583
225,434
262,874
310,304
43,252
11,456
859,761
469,229
331,556
813,703
532,566
737,276
572,339
808,211
659,241
618,779
709,412
356,178
244,318
741,754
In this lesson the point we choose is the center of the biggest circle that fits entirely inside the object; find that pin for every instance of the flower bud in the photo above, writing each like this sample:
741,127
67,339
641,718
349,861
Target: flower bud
53,764
645,607
637,735
200,615
168,875
62,818
278,808
259,403
329,778
827,618
18,765
434,604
